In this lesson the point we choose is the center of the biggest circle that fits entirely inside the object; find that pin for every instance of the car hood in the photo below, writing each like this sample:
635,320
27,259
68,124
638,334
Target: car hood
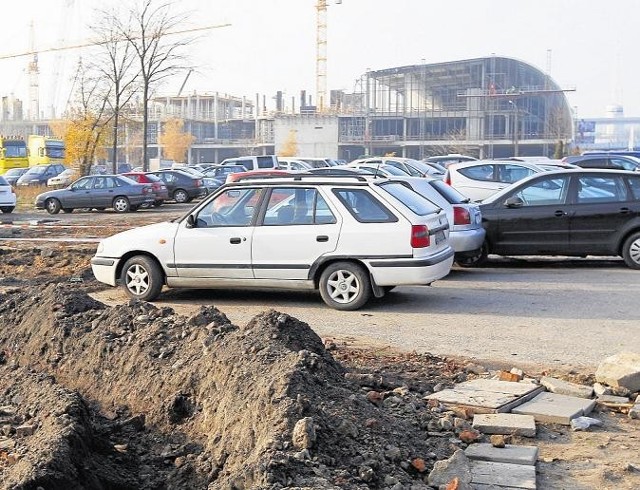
144,238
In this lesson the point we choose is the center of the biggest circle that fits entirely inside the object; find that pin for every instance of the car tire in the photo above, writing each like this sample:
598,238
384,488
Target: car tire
157,204
180,196
345,286
52,206
67,210
142,278
631,251
121,205
7,209
133,208
473,259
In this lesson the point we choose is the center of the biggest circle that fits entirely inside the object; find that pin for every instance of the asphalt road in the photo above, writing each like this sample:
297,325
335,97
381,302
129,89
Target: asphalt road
536,311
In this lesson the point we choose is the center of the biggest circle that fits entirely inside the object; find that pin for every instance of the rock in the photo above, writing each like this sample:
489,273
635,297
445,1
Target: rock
600,389
561,387
304,433
348,428
475,368
507,376
366,473
622,370
498,440
634,412
392,401
375,397
457,466
419,464
121,448
25,430
7,443
456,484
469,436
393,453
518,372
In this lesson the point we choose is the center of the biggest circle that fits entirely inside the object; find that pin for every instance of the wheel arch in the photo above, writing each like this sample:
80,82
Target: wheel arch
318,267
625,236
133,253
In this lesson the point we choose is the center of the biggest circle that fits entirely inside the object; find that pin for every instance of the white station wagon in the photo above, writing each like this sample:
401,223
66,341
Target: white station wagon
351,237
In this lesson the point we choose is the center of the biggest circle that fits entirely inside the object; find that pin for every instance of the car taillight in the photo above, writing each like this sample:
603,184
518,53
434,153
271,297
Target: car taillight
147,190
447,178
420,236
198,183
461,216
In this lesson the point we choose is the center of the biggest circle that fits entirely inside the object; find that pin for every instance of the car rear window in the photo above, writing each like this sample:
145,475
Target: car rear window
478,172
364,207
3,181
410,198
448,192
634,183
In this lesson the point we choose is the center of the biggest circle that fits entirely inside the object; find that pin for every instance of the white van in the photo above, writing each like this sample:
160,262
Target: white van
254,163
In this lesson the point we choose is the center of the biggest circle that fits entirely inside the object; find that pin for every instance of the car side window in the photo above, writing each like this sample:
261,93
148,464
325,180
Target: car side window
82,184
478,172
622,164
634,183
600,189
546,191
234,207
364,207
594,163
512,173
297,206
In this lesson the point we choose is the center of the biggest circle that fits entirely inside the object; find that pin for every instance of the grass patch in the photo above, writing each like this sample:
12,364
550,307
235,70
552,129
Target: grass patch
26,196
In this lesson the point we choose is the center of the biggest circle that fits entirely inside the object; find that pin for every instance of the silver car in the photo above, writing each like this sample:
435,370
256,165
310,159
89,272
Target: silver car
465,218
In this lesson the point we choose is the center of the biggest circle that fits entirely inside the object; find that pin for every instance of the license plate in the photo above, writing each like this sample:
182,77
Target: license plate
440,237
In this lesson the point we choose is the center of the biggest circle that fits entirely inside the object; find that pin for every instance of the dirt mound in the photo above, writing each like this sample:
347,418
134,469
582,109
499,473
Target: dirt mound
196,402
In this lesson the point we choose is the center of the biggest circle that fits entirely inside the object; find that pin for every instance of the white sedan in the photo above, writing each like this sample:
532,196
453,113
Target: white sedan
7,196
63,179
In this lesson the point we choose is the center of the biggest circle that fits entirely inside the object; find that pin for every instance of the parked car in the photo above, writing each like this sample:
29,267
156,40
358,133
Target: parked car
293,164
480,179
40,174
410,166
7,196
63,179
567,212
220,172
465,219
316,162
107,168
157,184
13,174
253,162
380,169
257,174
446,160
182,186
97,192
606,161
350,238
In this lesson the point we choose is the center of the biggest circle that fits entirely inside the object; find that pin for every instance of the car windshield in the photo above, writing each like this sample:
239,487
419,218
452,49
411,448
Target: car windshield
150,178
387,169
38,170
414,201
16,171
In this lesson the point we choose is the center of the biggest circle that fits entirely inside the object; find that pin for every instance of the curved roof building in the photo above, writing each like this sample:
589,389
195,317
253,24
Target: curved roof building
488,107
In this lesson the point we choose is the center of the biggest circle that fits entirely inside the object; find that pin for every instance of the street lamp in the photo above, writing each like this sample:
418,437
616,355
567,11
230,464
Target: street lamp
515,127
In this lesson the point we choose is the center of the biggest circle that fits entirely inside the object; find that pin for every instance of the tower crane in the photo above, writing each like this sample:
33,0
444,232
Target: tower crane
321,53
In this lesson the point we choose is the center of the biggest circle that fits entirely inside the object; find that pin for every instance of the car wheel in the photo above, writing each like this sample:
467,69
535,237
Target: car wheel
142,278
7,209
345,286
121,204
631,251
473,259
180,196
67,210
52,206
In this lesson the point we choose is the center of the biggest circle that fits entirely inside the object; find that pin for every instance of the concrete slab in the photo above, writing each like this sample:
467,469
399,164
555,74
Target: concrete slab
505,423
555,409
511,453
562,387
503,474
620,370
613,400
487,395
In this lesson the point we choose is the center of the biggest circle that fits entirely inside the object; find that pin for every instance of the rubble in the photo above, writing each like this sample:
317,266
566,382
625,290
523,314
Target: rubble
621,370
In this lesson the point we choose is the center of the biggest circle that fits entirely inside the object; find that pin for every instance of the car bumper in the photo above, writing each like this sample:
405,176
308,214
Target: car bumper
467,240
104,269
162,196
412,271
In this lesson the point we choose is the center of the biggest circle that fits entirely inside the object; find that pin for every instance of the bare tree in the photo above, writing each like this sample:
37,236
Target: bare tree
116,63
147,31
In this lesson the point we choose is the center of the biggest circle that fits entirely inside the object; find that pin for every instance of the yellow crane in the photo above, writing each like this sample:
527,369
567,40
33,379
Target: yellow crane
321,53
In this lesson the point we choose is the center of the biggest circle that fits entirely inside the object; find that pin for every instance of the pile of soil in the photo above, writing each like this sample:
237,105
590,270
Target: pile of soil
135,396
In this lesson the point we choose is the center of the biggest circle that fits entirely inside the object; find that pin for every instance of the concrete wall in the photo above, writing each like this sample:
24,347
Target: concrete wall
315,135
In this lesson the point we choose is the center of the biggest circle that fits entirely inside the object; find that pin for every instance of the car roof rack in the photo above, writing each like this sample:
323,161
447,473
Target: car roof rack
299,177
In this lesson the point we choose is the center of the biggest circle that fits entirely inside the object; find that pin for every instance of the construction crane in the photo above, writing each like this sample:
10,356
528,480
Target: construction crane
33,73
321,53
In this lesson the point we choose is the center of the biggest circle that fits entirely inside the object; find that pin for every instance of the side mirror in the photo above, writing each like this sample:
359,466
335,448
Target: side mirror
514,202
191,221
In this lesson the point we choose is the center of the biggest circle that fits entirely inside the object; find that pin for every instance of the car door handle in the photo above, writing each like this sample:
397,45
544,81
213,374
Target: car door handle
322,238
625,210
235,240
560,213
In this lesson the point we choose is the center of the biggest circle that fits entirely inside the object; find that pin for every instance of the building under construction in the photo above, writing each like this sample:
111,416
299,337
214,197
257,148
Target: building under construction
486,107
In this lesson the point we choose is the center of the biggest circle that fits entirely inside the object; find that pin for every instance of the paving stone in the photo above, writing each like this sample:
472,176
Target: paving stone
487,395
600,389
503,475
505,423
613,400
562,387
555,409
620,370
509,454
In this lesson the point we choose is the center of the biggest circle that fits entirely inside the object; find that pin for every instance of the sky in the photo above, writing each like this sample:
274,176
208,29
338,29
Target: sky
271,44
